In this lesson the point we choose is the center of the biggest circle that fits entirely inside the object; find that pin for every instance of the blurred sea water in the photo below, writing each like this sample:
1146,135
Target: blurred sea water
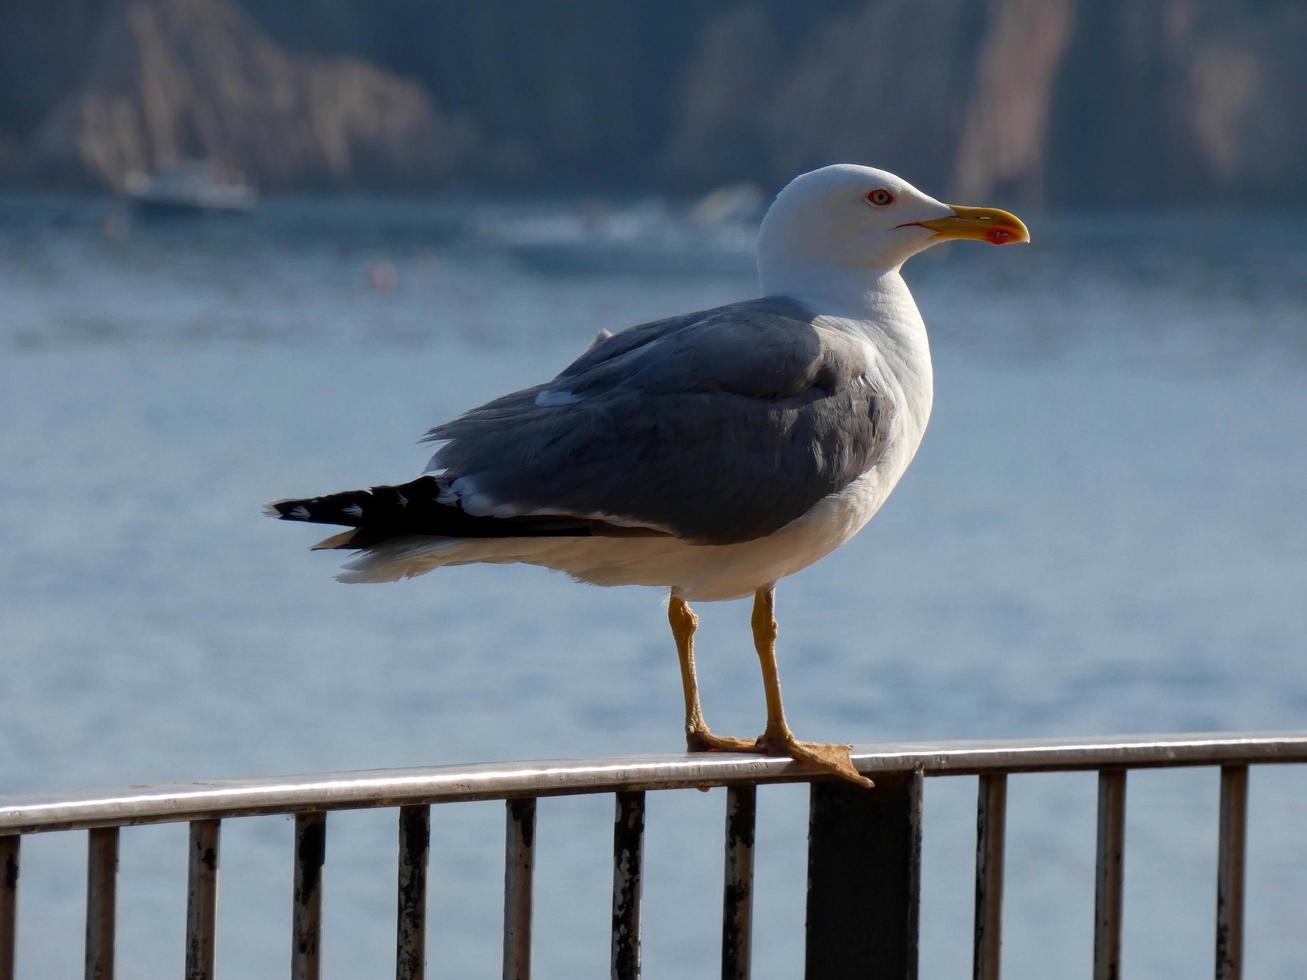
1103,533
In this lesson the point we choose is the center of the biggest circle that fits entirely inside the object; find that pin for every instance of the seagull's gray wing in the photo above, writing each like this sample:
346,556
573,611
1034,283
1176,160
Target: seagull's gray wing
718,427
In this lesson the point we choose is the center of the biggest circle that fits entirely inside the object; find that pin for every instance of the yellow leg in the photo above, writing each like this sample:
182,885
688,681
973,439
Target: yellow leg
698,737
777,739
764,626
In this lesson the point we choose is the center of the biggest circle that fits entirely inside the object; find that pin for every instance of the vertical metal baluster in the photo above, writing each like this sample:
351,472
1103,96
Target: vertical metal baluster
628,857
519,873
1230,872
991,825
101,901
1110,875
864,878
737,898
9,852
411,916
306,918
202,900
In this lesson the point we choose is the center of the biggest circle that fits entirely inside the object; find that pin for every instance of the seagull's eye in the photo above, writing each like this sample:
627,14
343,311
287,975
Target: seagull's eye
880,198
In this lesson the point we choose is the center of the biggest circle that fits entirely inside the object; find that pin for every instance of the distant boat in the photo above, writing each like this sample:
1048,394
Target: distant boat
188,188
730,204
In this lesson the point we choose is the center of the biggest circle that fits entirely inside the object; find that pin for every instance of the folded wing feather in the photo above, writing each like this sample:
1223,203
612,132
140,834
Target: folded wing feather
718,427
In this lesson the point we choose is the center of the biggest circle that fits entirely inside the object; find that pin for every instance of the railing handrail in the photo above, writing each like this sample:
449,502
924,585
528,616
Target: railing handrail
220,798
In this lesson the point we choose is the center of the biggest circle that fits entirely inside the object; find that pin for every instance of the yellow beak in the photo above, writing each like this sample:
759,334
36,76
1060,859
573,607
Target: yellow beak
979,224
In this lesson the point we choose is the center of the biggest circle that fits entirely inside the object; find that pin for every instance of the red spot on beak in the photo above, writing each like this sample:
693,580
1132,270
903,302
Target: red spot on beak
990,225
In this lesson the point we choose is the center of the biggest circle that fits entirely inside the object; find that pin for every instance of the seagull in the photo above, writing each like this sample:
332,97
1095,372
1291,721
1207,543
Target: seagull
710,454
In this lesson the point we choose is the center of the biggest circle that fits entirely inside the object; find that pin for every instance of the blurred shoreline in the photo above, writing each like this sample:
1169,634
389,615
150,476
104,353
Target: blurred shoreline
1055,102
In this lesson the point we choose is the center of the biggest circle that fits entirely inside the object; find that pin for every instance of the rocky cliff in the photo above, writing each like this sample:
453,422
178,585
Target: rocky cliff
1113,101
1053,100
168,80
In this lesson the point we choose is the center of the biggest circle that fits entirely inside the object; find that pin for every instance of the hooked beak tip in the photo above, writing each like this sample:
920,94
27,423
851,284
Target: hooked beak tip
992,225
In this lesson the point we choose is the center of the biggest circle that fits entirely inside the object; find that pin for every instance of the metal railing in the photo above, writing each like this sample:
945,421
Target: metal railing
864,847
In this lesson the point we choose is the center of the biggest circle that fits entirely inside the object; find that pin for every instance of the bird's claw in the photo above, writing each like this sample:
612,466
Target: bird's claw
832,758
702,740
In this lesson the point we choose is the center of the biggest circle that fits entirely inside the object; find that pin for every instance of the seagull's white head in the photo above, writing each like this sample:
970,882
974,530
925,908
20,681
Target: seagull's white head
849,220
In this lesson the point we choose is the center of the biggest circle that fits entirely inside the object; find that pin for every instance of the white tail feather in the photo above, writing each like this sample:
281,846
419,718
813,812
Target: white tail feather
399,559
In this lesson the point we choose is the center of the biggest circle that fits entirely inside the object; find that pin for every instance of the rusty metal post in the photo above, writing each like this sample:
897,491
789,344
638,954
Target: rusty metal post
9,853
1110,874
101,901
519,873
864,879
628,861
202,900
1230,872
991,824
737,897
306,914
411,913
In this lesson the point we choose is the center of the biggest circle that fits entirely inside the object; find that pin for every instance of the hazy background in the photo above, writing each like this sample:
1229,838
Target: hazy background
1056,101
1103,531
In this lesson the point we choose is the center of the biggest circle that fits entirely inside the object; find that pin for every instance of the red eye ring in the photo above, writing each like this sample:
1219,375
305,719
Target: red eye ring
879,198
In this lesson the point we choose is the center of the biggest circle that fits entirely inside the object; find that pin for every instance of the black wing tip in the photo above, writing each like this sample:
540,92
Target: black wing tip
353,508
288,509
